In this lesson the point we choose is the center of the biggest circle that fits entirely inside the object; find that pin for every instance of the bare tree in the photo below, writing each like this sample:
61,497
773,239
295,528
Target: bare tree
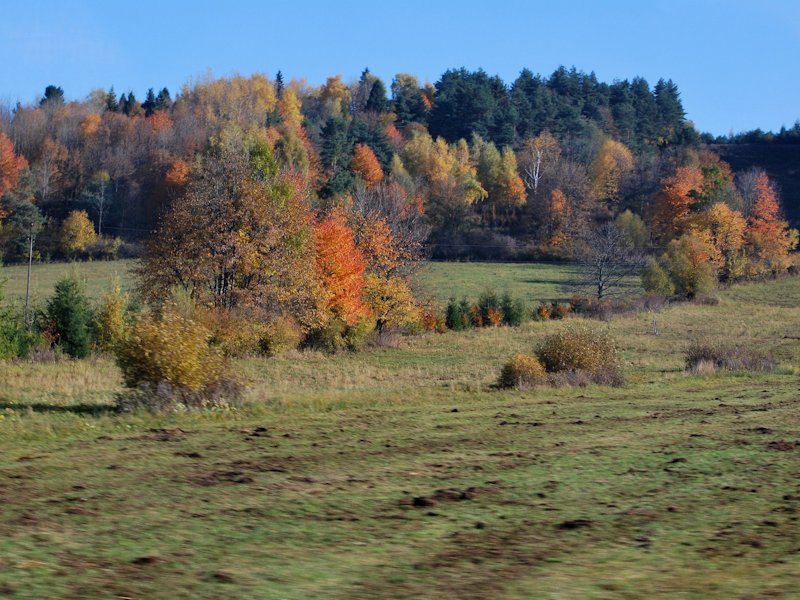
607,257
746,184
537,156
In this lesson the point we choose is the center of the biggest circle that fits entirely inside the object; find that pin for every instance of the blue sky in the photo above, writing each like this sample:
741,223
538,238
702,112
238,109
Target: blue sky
734,61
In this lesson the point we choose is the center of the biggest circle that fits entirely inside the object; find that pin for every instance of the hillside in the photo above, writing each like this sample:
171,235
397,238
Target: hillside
780,161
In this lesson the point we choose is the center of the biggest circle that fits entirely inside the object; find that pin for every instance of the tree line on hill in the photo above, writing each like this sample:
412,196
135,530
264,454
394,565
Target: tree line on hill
236,185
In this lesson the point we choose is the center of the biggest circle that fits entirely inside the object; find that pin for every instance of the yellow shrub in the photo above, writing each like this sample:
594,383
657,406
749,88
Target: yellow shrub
172,349
280,335
109,319
521,371
578,349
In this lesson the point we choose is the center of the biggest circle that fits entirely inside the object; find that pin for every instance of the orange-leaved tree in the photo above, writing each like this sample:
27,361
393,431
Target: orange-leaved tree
340,268
11,164
365,164
672,204
768,233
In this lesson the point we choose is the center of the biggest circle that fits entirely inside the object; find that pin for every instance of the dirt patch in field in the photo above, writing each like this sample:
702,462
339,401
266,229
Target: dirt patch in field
222,478
446,495
782,446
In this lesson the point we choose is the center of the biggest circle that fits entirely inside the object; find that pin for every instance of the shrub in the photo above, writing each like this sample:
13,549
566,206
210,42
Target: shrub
581,349
494,317
433,322
655,280
489,305
559,311
69,317
475,316
16,341
513,310
580,304
109,318
521,372
452,317
251,332
687,262
336,335
465,308
105,248
170,349
706,358
459,315
280,335
543,312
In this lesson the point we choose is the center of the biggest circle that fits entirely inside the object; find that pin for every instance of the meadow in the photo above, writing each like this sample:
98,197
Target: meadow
402,472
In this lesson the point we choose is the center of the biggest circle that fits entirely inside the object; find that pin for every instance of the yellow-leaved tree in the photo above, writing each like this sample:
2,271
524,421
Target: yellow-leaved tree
77,233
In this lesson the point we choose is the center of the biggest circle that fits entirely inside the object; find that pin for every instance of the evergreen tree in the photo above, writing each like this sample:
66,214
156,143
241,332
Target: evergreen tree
112,105
69,313
163,100
149,105
670,109
335,153
53,96
623,111
374,136
646,112
377,101
466,103
408,102
279,85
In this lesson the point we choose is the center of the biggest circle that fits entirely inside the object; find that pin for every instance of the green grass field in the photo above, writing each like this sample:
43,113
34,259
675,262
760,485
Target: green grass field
401,473
97,276
437,281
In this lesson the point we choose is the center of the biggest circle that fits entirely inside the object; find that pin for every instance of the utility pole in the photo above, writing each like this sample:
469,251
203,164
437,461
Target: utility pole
28,286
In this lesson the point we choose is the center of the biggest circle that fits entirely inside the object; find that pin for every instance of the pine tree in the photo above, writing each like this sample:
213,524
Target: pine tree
149,105
163,100
279,85
377,101
53,96
112,105
70,316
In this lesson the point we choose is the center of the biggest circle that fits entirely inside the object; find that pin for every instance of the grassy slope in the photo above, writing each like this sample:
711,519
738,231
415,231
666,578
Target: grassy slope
672,483
97,277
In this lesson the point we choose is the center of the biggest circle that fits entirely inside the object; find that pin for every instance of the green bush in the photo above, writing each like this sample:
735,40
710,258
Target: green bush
687,262
582,349
490,308
70,318
513,310
521,372
459,315
16,341
655,280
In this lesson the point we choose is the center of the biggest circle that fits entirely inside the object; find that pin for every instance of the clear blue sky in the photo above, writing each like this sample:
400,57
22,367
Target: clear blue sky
735,61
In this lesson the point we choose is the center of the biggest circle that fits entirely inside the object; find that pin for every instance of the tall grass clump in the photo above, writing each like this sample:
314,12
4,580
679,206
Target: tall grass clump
709,358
